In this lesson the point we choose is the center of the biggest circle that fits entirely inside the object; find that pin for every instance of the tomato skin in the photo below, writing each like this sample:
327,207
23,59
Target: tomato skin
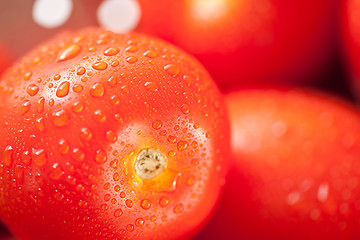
295,168
248,42
76,113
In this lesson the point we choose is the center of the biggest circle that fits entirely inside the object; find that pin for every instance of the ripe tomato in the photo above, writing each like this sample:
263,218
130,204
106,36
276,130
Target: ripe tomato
295,168
109,136
248,42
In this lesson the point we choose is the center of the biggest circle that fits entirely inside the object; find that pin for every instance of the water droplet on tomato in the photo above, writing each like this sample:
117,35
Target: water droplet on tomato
86,134
70,52
179,208
40,104
63,146
145,204
39,157
56,172
111,51
111,81
172,69
139,222
32,89
78,154
40,123
131,59
115,99
97,90
182,145
80,71
150,54
172,139
78,106
60,118
185,109
131,49
151,86
57,77
63,89
77,88
26,157
100,156
25,107
8,156
99,66
157,124
111,136
118,212
99,116
164,201
27,75
129,203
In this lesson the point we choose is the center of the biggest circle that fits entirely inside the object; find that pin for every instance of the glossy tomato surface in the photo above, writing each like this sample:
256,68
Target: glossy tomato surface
295,171
248,42
109,136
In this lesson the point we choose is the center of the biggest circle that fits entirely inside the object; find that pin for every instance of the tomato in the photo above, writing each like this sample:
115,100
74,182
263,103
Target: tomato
248,42
109,136
295,172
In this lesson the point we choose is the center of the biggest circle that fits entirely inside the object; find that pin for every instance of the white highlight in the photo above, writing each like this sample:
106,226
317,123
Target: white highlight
323,192
52,13
119,15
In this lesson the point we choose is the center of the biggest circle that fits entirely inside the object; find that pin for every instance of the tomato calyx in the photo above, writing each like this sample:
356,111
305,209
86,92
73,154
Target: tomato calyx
149,163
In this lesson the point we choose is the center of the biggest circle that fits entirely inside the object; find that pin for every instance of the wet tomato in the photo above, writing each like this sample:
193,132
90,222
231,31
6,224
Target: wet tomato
295,171
248,42
109,136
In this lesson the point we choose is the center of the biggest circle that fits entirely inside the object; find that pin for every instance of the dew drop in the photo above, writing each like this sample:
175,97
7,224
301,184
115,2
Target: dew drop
185,109
80,71
111,136
112,81
63,146
99,66
172,69
130,227
77,88
139,222
57,77
32,89
164,201
131,49
56,172
157,124
172,139
151,86
182,145
40,104
86,134
129,203
70,52
115,100
8,156
179,208
115,63
97,90
60,118
99,116
131,59
63,89
27,75
78,154
150,54
39,157
100,156
77,107
26,157
118,212
58,196
40,123
145,204
111,51
25,107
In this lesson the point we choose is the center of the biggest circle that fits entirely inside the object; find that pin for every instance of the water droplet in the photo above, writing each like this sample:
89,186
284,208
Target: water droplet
63,89
191,181
111,51
40,104
172,69
122,194
185,109
99,116
151,86
39,157
8,156
139,222
63,146
27,75
58,196
70,52
81,71
60,118
77,88
125,89
179,208
131,49
131,59
40,123
97,90
182,145
130,227
57,77
32,89
164,201
78,107
115,99
86,134
99,66
26,157
56,172
172,139
78,154
111,136
145,204
118,212
111,81
150,54
25,107
129,203
100,156
116,177
115,63
157,124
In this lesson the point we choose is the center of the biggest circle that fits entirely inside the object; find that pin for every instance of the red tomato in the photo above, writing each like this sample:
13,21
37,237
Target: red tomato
248,42
296,168
109,136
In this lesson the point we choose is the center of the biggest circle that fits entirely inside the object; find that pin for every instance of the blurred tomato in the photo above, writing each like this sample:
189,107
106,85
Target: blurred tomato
249,41
295,169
